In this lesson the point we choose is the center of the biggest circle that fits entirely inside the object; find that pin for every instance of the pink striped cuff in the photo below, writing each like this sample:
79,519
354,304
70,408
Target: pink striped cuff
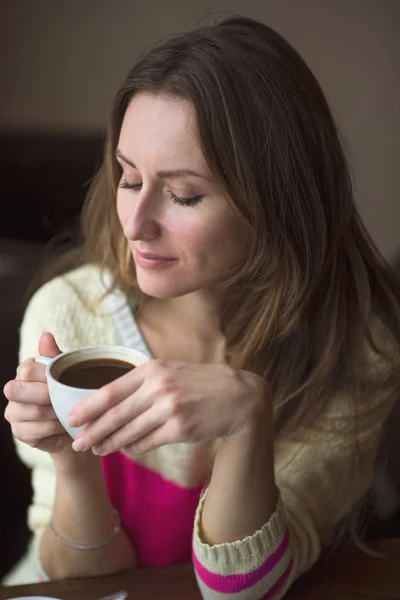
237,583
278,584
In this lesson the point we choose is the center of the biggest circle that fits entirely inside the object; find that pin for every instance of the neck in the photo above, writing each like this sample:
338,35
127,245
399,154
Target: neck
198,314
191,322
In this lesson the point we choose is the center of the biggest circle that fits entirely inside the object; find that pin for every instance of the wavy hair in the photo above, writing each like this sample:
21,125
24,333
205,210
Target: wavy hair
304,296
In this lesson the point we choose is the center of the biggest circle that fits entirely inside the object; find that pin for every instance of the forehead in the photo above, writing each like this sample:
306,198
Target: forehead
159,128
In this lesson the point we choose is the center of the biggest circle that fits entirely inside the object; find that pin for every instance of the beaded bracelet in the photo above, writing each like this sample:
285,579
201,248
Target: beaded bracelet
112,535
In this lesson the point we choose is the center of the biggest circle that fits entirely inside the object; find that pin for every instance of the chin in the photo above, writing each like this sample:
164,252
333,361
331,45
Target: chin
163,287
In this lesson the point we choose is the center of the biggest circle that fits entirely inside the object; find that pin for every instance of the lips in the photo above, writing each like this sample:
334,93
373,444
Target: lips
148,260
151,256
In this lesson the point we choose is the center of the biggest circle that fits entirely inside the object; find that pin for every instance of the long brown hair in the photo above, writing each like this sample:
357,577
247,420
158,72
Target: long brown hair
302,309
303,299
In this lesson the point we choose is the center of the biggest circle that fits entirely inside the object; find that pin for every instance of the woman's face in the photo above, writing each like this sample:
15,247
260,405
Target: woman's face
183,234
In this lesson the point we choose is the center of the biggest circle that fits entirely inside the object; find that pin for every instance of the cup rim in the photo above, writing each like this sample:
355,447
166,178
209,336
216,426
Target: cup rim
82,349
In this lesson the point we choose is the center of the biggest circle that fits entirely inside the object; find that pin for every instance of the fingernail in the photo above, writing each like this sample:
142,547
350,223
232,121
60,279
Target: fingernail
78,445
72,420
98,449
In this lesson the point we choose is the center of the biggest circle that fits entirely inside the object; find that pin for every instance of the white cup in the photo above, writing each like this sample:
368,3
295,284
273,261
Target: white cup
64,397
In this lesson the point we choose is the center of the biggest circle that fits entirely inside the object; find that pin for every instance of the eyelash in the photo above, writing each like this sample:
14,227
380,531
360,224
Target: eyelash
181,201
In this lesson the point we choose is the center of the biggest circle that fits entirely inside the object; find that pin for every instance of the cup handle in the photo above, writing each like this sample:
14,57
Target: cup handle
44,360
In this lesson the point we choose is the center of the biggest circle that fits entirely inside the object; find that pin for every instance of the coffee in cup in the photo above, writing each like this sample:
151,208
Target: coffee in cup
94,373
74,375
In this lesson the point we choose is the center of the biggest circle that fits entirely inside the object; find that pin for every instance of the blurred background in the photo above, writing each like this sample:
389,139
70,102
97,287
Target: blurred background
61,63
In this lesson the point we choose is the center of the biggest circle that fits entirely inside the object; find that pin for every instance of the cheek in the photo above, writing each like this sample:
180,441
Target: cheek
184,229
191,242
226,242
216,241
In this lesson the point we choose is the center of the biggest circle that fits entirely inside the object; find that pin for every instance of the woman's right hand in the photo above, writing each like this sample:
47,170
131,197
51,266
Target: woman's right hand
29,410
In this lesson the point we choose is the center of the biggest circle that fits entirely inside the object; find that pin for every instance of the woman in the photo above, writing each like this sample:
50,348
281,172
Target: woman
221,238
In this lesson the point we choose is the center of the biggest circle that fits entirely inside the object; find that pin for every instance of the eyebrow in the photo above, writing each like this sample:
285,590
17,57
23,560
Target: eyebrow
170,173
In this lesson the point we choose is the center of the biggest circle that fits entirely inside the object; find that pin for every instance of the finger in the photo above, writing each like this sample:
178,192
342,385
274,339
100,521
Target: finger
105,398
28,392
131,433
31,431
112,420
30,370
18,412
48,346
155,439
95,405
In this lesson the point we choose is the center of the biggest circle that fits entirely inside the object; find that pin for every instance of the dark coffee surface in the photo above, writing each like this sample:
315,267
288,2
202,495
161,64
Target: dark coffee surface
94,373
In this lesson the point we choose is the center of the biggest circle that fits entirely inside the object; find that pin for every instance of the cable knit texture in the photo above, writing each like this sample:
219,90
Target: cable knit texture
160,495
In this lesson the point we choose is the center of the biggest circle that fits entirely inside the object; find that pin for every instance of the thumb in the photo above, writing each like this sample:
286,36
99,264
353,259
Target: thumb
48,346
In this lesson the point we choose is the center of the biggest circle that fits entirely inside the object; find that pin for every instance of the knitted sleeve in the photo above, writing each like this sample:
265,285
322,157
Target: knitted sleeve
44,313
61,308
320,478
66,307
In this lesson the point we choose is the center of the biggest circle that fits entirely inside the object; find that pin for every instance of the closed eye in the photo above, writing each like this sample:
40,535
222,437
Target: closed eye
129,186
192,201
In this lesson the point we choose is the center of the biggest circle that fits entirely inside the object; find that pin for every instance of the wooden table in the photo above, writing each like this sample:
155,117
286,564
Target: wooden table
346,575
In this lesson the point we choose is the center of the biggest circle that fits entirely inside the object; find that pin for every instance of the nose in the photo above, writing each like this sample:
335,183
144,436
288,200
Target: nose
142,222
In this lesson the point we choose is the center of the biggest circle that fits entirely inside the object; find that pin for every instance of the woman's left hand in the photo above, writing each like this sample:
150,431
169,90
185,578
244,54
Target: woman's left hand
163,402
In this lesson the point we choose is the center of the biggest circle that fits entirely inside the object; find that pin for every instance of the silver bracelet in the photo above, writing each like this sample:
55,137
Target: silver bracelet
112,535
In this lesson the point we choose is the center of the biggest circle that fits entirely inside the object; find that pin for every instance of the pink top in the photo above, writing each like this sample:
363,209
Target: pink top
157,514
